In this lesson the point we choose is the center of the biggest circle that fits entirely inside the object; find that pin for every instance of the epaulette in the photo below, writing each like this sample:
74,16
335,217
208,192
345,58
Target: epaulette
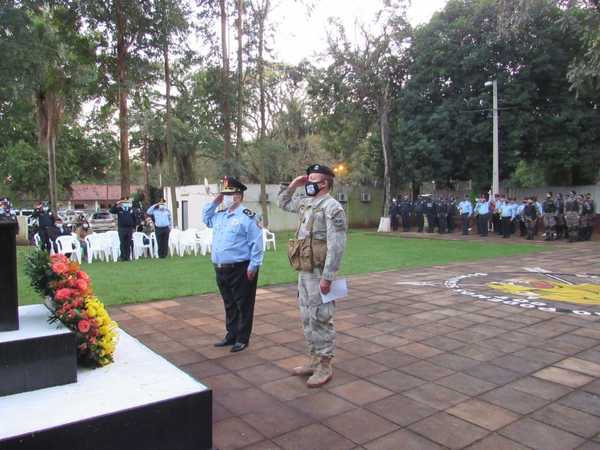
249,213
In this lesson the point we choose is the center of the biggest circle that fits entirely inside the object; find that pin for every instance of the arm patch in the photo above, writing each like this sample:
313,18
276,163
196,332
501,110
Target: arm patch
249,213
338,218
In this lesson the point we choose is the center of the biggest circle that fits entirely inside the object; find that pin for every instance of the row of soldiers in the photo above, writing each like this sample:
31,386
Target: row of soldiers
427,212
570,218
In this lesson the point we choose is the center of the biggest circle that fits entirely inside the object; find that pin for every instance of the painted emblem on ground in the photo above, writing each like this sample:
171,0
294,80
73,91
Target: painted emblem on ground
533,288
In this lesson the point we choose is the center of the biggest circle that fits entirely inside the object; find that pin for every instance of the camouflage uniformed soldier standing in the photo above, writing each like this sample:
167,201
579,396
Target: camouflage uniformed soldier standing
316,253
549,210
560,216
572,212
587,216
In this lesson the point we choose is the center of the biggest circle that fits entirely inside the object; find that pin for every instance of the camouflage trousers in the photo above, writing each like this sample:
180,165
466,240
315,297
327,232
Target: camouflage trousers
572,219
317,317
585,220
549,220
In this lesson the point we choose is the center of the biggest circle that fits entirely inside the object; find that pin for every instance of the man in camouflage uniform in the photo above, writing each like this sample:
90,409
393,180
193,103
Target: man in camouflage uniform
587,216
549,211
323,218
560,216
572,213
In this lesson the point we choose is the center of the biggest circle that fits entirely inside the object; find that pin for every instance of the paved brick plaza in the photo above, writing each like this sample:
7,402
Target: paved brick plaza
417,366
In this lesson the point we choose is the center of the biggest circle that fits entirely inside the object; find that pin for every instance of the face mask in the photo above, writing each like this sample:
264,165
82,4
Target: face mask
85,226
161,207
126,206
228,201
312,189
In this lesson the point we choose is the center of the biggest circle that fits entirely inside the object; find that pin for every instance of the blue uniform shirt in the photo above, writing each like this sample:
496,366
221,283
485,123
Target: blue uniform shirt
507,210
465,207
236,236
162,217
482,208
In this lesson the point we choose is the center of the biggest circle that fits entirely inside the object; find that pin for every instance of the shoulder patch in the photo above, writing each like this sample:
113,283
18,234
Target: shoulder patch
249,213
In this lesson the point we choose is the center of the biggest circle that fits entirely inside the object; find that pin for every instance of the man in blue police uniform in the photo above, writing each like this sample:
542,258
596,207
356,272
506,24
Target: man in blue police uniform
465,208
237,253
482,211
163,222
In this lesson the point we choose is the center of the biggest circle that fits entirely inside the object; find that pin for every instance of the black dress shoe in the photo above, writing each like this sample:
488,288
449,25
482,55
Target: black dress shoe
224,343
238,347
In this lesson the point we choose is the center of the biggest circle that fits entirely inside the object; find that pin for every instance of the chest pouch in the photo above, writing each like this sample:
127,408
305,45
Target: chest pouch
308,253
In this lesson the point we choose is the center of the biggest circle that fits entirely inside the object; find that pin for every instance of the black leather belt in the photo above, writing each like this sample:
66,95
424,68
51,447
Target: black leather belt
230,266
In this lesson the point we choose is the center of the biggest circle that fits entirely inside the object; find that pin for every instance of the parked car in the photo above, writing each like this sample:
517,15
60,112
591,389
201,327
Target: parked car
102,221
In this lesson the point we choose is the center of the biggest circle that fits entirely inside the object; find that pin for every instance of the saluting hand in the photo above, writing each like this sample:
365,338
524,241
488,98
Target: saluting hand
218,199
298,181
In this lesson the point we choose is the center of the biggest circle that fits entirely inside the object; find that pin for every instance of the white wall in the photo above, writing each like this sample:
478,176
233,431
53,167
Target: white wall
197,198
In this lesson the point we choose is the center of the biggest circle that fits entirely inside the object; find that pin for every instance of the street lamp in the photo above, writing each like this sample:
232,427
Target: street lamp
495,176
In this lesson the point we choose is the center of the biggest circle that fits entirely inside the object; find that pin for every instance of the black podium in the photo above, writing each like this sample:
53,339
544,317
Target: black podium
9,303
35,355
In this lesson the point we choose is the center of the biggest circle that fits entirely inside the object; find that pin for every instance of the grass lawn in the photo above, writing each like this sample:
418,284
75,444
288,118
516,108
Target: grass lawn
155,279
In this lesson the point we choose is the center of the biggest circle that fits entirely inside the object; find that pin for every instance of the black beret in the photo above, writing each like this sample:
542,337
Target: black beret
232,186
319,168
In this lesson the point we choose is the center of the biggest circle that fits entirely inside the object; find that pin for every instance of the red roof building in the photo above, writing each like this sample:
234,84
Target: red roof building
96,196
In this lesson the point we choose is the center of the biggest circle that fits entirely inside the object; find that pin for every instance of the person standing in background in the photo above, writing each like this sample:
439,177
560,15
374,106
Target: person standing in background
126,223
163,223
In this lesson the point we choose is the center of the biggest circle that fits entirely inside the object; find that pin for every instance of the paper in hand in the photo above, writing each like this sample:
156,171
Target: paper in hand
338,289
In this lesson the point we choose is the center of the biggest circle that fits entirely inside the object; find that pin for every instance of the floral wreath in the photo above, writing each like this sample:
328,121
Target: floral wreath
71,301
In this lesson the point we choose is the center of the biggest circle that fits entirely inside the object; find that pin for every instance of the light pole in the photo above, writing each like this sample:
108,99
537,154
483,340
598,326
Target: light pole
495,176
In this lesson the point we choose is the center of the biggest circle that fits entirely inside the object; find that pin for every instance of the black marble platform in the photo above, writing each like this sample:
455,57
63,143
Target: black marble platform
141,401
38,355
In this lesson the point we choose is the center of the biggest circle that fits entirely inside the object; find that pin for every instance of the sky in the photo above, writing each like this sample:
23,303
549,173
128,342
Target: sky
300,36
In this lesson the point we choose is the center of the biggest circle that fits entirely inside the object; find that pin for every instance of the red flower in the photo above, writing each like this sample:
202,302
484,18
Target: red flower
72,282
63,294
59,258
60,267
81,284
83,326
72,314
83,276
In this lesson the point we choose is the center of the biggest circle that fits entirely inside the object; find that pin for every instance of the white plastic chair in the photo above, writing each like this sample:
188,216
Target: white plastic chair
37,240
174,237
140,246
112,244
187,242
95,249
69,244
204,240
154,243
268,237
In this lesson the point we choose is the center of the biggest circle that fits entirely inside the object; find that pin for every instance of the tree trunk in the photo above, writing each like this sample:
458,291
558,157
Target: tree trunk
169,136
384,108
262,132
225,83
240,78
123,95
51,170
146,174
48,115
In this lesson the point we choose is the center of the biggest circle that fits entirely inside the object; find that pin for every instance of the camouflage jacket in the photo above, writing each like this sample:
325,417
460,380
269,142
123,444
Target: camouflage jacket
329,224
